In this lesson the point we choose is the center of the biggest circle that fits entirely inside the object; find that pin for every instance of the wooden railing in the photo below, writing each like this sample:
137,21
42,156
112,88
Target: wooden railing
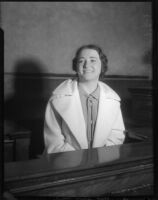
116,170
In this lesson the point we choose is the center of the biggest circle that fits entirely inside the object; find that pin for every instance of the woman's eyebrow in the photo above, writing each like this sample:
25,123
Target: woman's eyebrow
90,57
93,57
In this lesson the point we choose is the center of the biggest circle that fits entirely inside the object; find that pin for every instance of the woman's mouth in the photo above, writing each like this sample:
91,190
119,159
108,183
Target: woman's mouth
87,71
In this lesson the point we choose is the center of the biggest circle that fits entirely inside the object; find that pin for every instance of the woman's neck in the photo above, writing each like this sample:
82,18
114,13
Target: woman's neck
88,86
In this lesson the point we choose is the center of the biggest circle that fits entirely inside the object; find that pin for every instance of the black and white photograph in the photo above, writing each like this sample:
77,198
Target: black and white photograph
78,99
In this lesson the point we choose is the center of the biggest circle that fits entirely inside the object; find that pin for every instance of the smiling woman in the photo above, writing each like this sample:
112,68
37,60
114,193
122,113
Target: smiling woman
89,66
85,112
96,56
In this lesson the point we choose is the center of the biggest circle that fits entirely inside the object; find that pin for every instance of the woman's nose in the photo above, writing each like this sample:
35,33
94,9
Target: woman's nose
85,64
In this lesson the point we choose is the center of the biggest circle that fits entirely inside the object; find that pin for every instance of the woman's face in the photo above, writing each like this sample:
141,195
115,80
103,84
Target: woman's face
88,65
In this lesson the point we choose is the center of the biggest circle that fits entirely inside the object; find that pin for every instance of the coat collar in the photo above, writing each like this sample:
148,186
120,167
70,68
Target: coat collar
69,87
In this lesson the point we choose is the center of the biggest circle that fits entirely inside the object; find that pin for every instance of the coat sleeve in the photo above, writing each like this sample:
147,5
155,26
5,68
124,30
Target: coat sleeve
53,138
117,135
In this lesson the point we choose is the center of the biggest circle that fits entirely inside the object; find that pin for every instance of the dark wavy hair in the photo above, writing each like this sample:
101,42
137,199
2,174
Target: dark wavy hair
102,57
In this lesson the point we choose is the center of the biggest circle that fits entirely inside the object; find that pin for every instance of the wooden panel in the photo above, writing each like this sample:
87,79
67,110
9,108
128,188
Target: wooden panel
93,172
8,150
20,145
142,105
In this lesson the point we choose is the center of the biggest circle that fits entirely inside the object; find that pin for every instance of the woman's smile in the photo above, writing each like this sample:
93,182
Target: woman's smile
88,70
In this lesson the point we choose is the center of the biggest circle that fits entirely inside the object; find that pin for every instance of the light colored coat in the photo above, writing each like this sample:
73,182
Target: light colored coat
64,127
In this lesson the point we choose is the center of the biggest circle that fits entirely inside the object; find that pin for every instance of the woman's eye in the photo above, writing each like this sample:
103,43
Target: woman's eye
80,61
93,61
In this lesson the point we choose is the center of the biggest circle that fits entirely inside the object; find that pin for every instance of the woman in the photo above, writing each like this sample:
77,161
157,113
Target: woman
84,112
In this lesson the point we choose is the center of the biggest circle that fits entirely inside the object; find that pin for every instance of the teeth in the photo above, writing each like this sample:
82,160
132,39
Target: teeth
87,71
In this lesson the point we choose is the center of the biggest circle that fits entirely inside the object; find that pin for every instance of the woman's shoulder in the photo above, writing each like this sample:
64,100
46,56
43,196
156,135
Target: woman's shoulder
66,88
110,93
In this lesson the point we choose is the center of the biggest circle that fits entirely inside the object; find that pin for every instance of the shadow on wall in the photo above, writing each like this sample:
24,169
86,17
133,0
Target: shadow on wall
26,107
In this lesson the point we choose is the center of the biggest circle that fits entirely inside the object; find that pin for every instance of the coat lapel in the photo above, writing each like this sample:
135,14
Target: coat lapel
70,109
106,112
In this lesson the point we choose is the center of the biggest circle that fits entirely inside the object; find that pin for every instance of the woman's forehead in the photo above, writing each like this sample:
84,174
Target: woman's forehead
88,52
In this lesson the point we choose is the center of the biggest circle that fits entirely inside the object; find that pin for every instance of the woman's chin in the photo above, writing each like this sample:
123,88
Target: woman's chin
88,77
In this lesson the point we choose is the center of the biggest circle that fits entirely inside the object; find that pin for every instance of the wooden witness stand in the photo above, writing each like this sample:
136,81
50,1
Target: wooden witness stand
117,170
